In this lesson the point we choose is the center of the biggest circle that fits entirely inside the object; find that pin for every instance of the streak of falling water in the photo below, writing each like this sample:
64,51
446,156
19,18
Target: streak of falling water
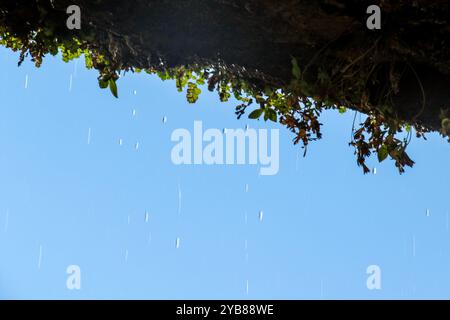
126,255
261,215
89,136
40,257
7,220
179,199
26,82
146,216
247,287
374,171
177,243
246,187
134,113
70,83
246,244
247,127
224,130
135,92
428,212
246,257
128,219
164,119
120,142
136,146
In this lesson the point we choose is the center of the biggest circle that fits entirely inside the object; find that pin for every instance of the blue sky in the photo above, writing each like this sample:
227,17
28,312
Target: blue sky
64,201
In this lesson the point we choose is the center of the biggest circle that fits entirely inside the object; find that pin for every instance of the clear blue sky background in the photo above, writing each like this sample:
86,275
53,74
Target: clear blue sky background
324,221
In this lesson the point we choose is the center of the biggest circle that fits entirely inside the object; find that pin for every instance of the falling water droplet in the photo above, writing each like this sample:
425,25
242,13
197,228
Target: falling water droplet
134,113
374,171
70,83
164,120
120,142
26,82
89,136
135,92
246,257
261,215
246,244
246,187
136,146
428,212
177,243
126,255
146,216
246,218
224,130
40,257
247,127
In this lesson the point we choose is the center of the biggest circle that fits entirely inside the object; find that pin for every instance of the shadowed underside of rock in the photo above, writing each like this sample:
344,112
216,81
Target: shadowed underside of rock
401,72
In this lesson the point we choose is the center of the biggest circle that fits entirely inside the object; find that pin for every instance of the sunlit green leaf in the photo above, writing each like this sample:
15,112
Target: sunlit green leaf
255,114
408,128
113,87
382,153
342,110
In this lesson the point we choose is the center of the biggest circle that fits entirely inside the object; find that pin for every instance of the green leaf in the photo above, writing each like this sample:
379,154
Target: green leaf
260,99
268,91
193,92
408,128
103,83
224,96
163,75
296,69
271,115
342,110
54,50
88,61
383,153
255,114
113,87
